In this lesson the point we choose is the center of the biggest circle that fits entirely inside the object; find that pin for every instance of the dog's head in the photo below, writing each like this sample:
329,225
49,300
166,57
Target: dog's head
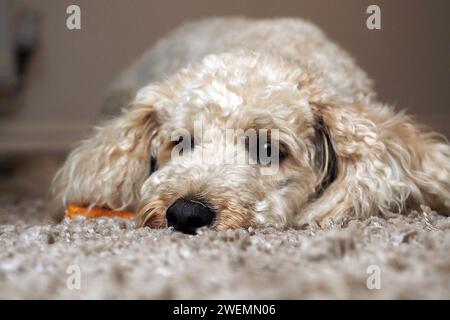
237,140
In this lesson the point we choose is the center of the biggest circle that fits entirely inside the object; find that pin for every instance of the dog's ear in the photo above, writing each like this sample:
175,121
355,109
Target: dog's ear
348,149
108,169
348,127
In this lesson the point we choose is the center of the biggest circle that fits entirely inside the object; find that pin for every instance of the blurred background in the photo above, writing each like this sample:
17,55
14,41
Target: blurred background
53,81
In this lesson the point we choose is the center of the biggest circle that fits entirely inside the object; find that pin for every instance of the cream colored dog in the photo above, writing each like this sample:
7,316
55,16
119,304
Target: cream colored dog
340,152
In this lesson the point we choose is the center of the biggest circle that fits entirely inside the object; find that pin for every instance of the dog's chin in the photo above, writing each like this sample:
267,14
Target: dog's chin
232,216
152,213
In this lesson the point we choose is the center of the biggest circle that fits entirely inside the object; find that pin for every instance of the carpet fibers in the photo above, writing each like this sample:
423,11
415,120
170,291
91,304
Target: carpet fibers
408,257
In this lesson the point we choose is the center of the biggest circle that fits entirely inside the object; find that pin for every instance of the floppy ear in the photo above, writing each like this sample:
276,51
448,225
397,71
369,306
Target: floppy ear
366,174
108,169
385,162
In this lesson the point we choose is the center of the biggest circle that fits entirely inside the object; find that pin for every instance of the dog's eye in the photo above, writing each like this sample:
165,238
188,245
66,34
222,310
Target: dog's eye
269,153
267,147
182,138
265,152
183,144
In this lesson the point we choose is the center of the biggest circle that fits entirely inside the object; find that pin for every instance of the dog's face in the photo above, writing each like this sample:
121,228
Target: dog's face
245,139
237,143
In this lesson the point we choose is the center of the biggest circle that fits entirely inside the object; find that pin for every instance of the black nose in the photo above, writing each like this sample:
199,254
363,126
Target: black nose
189,215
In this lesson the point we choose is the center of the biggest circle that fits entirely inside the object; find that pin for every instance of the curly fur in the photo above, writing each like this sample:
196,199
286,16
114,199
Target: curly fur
348,155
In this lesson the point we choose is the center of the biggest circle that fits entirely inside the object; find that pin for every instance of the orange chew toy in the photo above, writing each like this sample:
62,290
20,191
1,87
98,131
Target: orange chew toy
73,211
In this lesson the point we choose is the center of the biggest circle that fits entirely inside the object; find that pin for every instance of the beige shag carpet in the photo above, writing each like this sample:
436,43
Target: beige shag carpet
117,261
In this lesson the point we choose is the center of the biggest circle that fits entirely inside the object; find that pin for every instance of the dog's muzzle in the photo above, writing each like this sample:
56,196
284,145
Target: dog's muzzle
189,215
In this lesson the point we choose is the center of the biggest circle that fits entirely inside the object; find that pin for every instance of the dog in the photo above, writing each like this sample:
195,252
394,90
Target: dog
341,154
